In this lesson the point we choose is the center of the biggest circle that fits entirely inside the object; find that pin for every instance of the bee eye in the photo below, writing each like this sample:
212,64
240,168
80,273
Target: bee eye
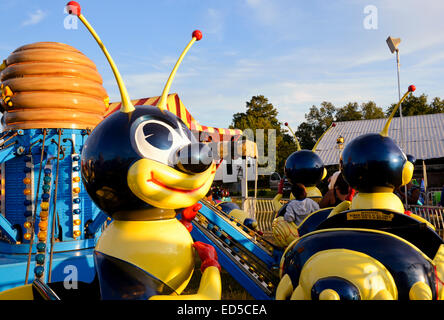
157,140
158,135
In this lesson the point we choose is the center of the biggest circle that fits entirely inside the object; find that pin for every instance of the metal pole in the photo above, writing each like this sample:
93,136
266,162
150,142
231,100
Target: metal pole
400,117
246,178
34,213
399,98
255,178
424,173
255,188
55,207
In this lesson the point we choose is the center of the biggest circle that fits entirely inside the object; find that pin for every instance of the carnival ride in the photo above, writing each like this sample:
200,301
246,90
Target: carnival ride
155,167
238,215
369,248
148,184
307,168
249,258
241,248
52,97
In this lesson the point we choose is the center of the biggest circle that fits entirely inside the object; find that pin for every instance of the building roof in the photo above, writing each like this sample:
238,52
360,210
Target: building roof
423,136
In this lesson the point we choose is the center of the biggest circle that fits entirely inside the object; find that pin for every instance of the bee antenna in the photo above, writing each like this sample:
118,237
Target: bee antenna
74,8
298,146
162,105
320,138
384,131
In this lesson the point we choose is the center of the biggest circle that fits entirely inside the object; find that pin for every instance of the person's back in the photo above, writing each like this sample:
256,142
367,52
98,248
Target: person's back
297,210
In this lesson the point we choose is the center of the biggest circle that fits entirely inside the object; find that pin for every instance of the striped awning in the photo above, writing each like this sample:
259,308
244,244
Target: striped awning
423,136
175,105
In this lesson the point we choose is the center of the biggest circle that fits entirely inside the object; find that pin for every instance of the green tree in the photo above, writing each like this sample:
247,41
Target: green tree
349,112
369,110
317,121
353,111
305,135
261,114
437,105
285,149
413,106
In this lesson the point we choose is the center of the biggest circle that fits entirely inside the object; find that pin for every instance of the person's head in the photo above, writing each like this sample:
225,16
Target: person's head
299,192
341,185
332,179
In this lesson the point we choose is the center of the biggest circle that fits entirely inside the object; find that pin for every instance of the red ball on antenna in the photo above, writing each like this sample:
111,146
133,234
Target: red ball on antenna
412,88
286,124
73,8
197,34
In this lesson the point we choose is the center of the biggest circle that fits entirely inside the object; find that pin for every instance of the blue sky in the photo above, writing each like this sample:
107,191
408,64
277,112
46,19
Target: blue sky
296,53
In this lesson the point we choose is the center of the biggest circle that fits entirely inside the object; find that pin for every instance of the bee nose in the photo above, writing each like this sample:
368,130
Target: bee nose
193,158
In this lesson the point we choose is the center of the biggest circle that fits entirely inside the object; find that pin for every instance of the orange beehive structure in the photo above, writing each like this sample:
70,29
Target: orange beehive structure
51,85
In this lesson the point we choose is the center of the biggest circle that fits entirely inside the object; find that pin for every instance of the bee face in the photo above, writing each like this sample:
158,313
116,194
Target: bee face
132,162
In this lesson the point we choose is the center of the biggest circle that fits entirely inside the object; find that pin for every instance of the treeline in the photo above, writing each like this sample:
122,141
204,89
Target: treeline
261,114
318,119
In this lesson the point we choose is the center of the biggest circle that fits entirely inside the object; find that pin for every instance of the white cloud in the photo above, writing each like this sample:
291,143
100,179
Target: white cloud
265,11
34,18
215,22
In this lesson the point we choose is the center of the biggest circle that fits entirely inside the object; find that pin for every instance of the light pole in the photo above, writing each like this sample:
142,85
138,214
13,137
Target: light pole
393,44
340,146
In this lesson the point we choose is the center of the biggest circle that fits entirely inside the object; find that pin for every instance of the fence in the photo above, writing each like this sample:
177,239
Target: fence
263,211
432,197
433,214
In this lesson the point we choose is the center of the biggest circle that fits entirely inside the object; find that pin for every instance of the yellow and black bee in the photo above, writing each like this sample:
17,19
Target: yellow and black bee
139,165
367,249
305,167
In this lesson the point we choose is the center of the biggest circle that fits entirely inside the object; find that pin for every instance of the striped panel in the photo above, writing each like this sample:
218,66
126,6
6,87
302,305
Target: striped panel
423,136
64,191
31,196
14,197
175,105
75,190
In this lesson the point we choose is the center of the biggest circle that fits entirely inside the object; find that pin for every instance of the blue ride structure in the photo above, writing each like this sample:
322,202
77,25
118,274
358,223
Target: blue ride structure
51,99
59,170
250,259
49,224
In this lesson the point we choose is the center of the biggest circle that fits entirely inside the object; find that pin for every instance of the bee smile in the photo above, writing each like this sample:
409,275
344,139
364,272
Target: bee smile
159,183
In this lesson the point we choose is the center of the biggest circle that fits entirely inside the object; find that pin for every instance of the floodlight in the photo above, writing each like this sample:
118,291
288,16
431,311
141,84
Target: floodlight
393,43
